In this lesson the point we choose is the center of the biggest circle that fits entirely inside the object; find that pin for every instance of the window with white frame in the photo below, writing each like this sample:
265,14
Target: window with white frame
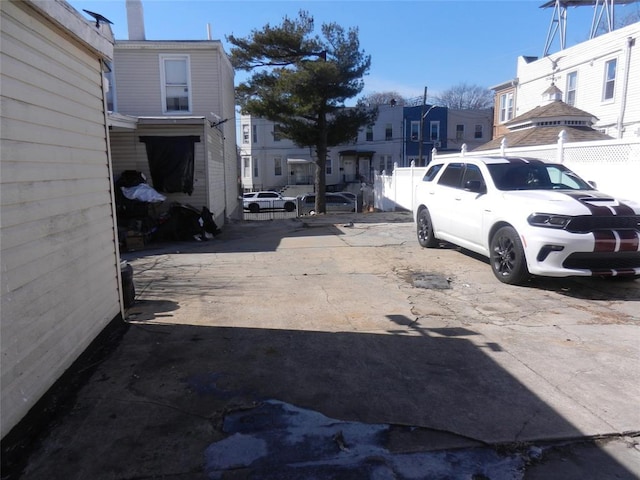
506,107
609,79
328,166
369,134
572,80
245,133
415,130
176,90
434,130
111,86
478,131
277,166
459,132
388,132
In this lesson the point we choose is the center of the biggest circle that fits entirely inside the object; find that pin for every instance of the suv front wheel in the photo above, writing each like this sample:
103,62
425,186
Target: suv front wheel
507,259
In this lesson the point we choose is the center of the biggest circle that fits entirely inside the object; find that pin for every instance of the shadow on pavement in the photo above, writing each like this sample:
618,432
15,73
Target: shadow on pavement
161,401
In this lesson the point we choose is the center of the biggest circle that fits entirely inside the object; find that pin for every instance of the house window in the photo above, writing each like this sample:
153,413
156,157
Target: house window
277,133
610,79
277,166
245,133
328,166
415,131
388,132
386,164
246,167
255,168
175,83
369,134
572,79
506,107
254,133
434,129
459,132
171,162
478,131
111,86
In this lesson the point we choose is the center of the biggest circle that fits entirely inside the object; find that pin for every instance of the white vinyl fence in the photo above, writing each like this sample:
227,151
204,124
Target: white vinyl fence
614,165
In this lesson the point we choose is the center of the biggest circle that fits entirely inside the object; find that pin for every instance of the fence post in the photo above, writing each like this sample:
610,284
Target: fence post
394,183
413,187
562,138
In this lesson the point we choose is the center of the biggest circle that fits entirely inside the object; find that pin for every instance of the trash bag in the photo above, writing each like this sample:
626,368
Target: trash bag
185,222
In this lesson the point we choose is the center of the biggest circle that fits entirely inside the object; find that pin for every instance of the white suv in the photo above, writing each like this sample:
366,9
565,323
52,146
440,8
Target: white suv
268,200
528,217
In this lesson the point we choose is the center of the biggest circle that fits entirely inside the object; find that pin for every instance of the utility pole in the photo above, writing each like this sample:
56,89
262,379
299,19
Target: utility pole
420,136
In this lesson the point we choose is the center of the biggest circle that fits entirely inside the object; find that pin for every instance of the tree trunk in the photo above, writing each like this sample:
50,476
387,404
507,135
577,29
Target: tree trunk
321,163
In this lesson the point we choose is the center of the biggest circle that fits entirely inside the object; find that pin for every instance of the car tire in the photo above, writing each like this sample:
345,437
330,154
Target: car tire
254,208
289,207
426,237
507,259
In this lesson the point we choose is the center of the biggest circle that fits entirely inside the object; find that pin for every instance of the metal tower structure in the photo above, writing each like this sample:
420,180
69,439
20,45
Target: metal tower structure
601,8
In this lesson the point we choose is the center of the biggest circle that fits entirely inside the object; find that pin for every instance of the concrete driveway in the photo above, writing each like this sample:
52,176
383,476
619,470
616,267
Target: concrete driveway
335,347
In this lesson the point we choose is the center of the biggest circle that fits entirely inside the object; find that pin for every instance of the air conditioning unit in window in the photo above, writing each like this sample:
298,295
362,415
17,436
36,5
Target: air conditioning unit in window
437,144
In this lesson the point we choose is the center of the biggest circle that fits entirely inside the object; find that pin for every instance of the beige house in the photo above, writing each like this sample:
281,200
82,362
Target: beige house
59,253
176,96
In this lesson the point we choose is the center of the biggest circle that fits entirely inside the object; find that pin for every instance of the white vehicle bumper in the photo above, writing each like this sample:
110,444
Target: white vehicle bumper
558,253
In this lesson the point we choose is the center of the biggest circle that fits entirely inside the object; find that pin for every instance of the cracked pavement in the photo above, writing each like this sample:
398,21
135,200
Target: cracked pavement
321,314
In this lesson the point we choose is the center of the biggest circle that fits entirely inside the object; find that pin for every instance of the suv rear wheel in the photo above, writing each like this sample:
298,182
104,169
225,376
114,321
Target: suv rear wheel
426,238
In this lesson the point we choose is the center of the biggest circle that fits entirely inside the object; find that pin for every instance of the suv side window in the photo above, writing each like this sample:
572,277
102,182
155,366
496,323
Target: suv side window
452,175
472,173
432,172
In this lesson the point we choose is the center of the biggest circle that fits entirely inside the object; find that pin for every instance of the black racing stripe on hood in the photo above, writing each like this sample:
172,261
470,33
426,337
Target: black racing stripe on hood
583,197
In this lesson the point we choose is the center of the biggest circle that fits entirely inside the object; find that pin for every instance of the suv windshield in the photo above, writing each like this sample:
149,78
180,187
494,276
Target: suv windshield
530,176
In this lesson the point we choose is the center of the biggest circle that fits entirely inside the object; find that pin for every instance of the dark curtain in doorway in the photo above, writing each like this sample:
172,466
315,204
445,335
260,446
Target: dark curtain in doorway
171,162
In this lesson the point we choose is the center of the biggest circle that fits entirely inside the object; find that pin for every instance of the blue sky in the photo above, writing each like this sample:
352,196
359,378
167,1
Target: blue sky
413,44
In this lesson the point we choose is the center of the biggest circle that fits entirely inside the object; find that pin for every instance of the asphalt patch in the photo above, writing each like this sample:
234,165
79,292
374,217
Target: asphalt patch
277,440
430,281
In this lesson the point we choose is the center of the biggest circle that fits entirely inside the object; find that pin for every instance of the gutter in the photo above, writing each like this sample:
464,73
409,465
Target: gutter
625,85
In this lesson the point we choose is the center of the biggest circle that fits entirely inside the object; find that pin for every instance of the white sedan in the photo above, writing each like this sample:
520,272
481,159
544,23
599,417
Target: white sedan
257,201
528,217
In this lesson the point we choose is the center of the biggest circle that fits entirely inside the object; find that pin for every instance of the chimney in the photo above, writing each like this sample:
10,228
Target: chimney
135,20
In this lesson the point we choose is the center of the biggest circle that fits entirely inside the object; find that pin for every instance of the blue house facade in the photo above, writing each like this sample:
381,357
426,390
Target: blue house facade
425,129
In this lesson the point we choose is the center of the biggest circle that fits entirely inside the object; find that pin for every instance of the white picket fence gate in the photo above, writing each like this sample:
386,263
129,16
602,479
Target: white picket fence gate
614,165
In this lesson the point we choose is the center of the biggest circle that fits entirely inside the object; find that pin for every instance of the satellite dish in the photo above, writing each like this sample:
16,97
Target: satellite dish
99,18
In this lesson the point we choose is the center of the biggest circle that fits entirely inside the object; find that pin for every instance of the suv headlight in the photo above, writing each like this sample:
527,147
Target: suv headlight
548,220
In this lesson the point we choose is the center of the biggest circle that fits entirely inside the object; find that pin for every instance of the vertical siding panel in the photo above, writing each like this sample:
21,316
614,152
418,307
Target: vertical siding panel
58,252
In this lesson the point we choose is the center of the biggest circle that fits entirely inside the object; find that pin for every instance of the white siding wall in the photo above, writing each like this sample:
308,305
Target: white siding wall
59,257
588,59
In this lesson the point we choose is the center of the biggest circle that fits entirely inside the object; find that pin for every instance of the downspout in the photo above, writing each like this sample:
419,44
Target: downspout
103,84
625,84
